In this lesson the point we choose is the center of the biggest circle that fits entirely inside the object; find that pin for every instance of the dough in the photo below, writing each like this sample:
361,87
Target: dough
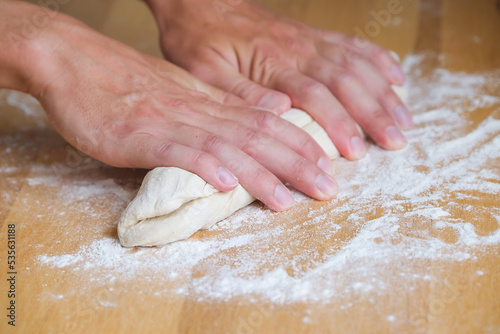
172,203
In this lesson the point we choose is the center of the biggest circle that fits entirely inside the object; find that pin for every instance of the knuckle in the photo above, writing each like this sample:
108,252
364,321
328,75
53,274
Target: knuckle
312,88
229,98
235,166
351,63
270,60
260,176
265,120
279,125
213,143
378,113
120,129
200,160
144,111
388,94
251,136
308,145
244,88
345,121
164,150
252,142
179,105
201,97
293,43
339,57
299,167
345,82
288,36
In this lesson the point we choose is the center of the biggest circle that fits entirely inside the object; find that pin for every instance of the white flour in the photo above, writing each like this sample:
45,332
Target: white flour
405,209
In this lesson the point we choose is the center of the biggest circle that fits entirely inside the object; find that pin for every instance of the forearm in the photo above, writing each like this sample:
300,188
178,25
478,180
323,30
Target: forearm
17,39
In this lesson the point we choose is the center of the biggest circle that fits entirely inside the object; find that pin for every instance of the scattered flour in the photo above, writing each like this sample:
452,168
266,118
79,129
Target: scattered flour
404,209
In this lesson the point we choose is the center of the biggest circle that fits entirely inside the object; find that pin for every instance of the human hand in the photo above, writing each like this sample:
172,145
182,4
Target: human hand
128,109
272,62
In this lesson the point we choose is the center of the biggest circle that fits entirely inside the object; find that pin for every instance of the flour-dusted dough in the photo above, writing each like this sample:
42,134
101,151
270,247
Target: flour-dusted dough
172,203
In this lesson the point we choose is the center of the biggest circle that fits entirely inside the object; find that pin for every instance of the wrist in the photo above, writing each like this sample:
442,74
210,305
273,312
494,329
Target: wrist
30,36
204,15
23,28
15,35
186,13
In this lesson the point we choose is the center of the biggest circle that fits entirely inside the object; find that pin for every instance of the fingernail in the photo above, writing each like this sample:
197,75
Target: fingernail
395,136
271,101
226,177
325,165
284,197
326,185
397,73
403,117
358,147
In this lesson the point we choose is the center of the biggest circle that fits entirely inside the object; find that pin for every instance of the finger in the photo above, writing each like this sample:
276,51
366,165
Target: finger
227,78
213,159
381,90
360,103
146,151
258,119
255,178
282,131
315,98
380,57
278,158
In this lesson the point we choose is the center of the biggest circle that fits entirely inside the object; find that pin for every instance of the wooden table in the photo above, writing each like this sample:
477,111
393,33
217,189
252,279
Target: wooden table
72,277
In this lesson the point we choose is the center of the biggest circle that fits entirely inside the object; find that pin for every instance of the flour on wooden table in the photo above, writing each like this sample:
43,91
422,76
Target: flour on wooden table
405,210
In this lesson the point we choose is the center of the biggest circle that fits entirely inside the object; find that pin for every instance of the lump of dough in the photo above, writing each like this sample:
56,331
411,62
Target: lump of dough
172,204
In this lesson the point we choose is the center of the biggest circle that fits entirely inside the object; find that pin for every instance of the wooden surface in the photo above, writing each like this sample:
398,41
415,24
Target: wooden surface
60,201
